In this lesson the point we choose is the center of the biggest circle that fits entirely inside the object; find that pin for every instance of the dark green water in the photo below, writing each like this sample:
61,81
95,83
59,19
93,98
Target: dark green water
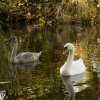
41,80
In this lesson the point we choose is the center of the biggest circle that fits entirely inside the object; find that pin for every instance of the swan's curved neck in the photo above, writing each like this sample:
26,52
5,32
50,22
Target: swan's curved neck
70,57
65,69
14,51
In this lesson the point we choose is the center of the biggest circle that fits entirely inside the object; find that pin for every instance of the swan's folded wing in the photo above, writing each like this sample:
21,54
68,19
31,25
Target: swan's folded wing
27,57
78,66
24,55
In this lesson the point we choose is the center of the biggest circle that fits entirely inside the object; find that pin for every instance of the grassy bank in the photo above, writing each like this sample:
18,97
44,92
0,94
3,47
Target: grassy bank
43,11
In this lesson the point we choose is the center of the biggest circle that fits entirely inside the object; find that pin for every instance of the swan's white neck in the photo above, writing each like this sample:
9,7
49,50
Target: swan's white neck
65,69
70,57
14,51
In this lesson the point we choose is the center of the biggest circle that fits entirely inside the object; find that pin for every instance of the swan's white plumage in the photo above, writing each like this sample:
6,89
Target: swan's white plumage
71,67
78,67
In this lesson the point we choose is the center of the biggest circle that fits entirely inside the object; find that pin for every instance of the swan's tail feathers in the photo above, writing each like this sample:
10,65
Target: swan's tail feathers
40,53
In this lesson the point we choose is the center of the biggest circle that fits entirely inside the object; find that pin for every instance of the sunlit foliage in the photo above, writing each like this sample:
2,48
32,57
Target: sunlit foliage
61,10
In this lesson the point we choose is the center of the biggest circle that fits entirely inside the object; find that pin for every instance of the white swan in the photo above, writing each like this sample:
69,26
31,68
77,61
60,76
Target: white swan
71,67
23,57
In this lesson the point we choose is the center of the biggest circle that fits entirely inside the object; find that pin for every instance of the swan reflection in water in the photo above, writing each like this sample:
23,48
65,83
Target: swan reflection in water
69,88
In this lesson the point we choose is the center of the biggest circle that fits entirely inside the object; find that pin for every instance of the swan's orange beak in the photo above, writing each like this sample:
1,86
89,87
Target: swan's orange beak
64,51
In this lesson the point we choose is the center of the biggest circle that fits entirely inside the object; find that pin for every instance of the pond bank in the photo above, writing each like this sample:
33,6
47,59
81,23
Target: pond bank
45,11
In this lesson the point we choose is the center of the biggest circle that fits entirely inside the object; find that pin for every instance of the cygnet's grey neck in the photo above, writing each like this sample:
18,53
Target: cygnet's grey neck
14,51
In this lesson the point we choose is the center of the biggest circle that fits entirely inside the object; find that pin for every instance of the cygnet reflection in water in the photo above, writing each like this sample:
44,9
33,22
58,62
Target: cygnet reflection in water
28,65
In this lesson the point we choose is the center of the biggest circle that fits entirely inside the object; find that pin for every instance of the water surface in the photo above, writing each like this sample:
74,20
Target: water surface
41,80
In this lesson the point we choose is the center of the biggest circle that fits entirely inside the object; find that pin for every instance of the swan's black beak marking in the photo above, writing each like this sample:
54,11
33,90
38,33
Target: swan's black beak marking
64,51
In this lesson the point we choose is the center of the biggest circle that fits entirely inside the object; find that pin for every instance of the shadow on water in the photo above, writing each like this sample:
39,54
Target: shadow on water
41,80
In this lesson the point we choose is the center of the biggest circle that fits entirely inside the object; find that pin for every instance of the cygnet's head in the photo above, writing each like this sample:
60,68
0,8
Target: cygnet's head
68,47
11,39
14,39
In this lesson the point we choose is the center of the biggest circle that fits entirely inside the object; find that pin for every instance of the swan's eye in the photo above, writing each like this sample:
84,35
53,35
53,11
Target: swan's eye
65,48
